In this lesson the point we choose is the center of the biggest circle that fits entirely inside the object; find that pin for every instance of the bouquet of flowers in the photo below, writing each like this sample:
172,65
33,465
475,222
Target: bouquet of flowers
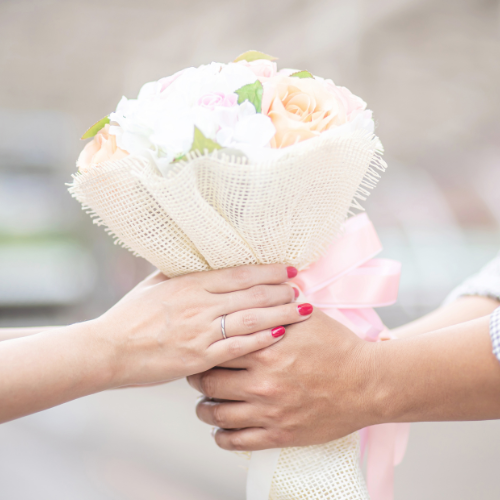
231,164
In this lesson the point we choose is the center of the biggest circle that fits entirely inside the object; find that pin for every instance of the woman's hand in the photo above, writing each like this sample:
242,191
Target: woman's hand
167,329
160,331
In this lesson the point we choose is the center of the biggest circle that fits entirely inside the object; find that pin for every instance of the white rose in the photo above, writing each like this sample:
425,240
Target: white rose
251,128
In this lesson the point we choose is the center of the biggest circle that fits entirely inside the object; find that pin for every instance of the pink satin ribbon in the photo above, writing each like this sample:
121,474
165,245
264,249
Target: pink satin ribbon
347,283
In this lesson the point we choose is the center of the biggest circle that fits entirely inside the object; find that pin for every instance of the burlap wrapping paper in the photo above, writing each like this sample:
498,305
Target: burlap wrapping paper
215,211
328,471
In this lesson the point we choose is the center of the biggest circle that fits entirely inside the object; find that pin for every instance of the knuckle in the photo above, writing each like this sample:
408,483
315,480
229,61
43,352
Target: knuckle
234,347
242,276
183,284
207,385
266,390
218,417
266,356
237,443
276,414
249,320
261,295
191,312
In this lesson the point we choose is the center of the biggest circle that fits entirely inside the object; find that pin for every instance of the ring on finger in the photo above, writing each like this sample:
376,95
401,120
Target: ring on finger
223,326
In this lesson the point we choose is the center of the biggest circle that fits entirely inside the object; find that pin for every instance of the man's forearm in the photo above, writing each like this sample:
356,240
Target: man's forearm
450,374
44,370
462,310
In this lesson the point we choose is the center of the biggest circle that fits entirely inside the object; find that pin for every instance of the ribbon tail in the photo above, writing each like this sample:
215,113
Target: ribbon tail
386,448
363,443
402,437
380,465
260,473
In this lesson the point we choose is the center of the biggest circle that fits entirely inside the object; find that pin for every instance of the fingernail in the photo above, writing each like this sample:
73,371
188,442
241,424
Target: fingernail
295,292
291,271
305,309
214,431
278,331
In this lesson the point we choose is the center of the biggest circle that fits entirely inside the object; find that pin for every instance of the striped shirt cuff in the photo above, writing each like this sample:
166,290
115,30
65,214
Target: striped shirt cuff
495,332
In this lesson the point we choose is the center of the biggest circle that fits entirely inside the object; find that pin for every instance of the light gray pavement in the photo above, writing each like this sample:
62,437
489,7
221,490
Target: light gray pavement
146,444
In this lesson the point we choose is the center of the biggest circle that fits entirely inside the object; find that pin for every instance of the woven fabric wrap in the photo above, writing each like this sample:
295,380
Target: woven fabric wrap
215,212
329,472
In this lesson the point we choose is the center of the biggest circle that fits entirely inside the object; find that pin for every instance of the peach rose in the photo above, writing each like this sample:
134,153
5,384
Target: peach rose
101,148
262,68
302,108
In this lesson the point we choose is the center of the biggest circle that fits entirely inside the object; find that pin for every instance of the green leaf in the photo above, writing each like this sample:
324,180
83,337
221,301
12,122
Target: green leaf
254,55
92,131
253,93
202,143
179,158
302,74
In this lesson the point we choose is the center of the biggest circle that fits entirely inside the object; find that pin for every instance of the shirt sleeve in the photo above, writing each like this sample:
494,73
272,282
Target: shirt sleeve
495,332
485,283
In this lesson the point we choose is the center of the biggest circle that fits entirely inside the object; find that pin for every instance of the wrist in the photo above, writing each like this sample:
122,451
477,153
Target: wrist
99,353
380,395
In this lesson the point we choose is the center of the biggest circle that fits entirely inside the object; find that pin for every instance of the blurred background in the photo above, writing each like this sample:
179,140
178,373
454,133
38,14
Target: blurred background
430,70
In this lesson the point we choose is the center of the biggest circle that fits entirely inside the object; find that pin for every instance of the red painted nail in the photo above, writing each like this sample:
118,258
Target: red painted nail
278,331
295,292
305,309
292,272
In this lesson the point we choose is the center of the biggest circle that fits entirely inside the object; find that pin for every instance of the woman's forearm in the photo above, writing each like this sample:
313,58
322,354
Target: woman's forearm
50,368
450,374
462,310
16,333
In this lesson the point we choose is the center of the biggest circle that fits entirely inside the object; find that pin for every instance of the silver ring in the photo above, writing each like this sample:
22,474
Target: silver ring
223,326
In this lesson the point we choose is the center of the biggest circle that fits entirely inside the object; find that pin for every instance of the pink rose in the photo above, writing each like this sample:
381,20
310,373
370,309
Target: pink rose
353,104
168,80
213,100
101,148
302,108
262,68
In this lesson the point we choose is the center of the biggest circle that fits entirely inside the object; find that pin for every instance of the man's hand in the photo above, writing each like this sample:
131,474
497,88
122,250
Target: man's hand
307,389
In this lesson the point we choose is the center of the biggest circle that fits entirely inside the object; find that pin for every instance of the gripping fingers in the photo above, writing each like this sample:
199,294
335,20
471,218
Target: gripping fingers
221,384
235,347
252,439
257,296
228,415
241,278
254,320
